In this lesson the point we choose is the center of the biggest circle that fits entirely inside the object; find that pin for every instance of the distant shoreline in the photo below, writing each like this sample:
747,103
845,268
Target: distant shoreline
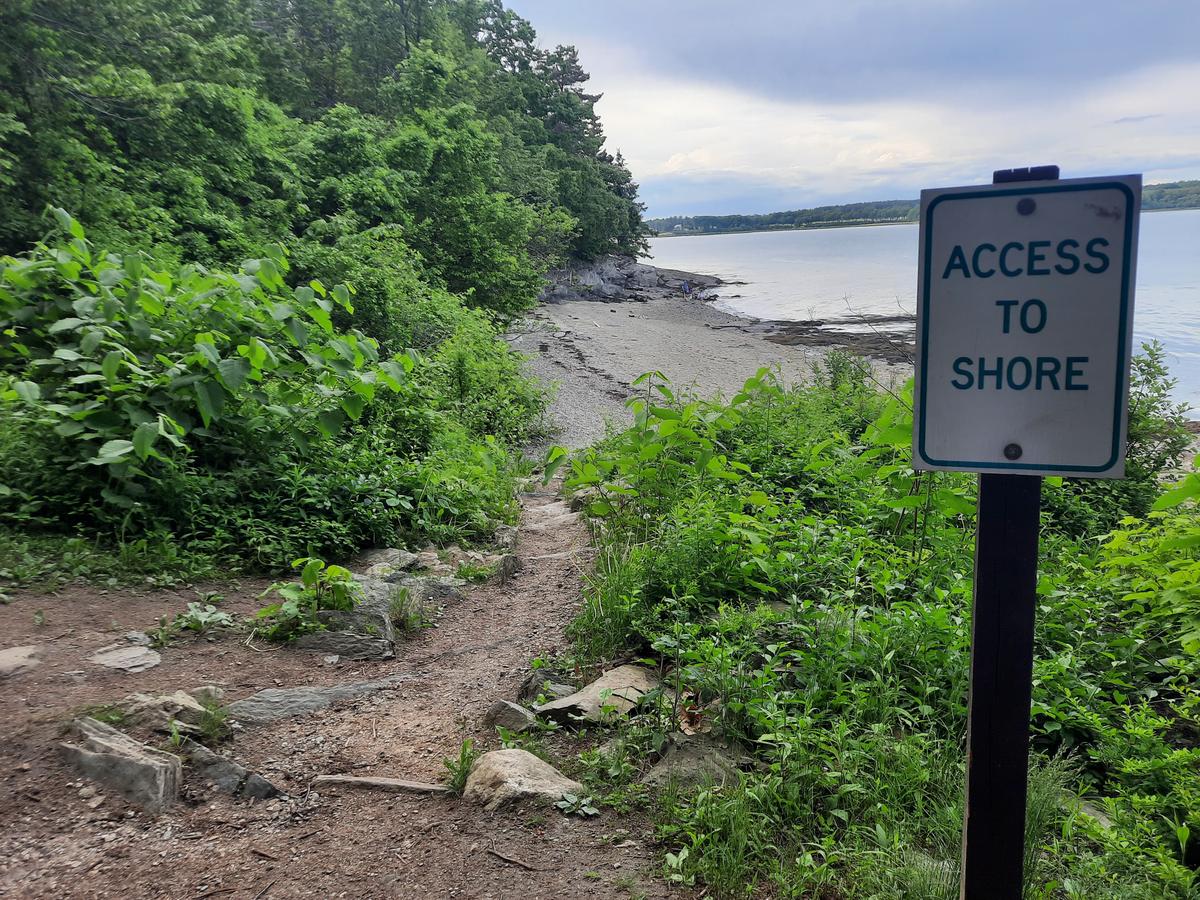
825,226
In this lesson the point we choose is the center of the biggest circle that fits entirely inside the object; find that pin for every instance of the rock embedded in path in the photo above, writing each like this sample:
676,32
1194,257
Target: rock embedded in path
387,785
143,775
540,683
126,657
508,715
17,660
273,704
159,712
692,759
502,777
228,776
365,632
614,693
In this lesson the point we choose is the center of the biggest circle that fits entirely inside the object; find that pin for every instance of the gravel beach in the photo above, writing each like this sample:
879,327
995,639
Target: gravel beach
592,349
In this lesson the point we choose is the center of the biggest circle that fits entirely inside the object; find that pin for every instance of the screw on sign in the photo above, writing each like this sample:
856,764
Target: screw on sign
1024,335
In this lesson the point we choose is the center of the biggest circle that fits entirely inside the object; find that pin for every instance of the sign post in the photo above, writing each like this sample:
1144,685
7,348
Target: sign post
1024,334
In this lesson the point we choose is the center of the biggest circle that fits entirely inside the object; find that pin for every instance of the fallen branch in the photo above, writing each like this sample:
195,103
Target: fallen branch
516,862
390,785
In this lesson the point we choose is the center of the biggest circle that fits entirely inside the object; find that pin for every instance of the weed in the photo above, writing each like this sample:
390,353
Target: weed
321,587
200,618
213,726
475,573
573,805
407,613
458,770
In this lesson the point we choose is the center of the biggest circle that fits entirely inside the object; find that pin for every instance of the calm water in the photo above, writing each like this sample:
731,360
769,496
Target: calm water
840,273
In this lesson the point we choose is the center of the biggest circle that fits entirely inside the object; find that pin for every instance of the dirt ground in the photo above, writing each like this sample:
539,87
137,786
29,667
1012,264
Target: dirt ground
58,840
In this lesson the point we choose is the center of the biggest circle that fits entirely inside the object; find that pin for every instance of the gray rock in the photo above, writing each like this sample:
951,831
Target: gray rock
141,774
208,693
692,759
508,715
16,660
543,683
505,538
614,693
502,777
227,775
365,632
138,637
126,658
273,704
158,712
395,558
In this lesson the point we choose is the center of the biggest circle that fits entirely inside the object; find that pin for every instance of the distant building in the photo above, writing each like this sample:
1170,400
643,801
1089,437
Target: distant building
677,228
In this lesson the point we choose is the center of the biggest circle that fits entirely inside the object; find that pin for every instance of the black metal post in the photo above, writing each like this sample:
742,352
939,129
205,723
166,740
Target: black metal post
1006,552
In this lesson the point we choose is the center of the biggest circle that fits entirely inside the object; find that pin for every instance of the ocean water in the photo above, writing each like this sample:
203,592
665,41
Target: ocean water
840,274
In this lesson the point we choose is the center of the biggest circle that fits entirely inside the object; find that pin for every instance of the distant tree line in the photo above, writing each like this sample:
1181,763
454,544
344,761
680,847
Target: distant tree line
1174,195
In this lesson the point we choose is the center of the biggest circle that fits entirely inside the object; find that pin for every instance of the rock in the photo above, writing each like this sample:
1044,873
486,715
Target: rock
543,683
365,632
138,637
508,715
16,660
126,658
395,558
227,775
273,704
505,538
508,776
208,693
141,774
693,759
388,785
620,689
158,712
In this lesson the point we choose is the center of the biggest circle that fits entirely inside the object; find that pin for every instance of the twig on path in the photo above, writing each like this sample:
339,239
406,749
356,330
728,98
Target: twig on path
263,892
516,862
391,785
214,893
250,637
264,854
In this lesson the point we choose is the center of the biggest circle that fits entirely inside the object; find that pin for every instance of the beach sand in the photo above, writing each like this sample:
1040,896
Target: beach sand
592,350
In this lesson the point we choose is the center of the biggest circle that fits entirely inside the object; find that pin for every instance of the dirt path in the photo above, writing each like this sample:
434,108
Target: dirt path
332,843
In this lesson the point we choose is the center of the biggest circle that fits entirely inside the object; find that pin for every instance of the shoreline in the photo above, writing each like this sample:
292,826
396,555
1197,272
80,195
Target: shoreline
601,325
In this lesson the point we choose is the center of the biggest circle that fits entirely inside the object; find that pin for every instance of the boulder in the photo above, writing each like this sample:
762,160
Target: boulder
693,759
16,660
393,559
508,715
143,775
126,657
273,704
227,775
541,683
502,777
614,693
505,538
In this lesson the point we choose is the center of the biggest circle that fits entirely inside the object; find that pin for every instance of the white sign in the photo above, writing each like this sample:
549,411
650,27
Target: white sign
1024,326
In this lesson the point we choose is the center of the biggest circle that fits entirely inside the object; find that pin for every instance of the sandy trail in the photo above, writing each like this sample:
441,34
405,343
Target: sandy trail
593,350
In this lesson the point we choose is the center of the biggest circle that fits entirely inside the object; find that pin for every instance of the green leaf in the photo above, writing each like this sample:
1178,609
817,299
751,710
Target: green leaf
144,437
112,451
330,422
233,372
1182,492
64,325
28,391
210,400
111,363
353,405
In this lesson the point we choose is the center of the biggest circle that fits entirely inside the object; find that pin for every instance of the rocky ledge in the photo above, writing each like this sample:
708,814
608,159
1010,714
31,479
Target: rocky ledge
619,278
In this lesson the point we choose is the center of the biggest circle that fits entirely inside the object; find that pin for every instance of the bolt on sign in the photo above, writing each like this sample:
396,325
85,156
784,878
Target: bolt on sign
1024,327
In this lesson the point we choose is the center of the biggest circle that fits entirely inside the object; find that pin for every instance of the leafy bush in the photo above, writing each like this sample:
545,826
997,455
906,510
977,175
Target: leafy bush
810,593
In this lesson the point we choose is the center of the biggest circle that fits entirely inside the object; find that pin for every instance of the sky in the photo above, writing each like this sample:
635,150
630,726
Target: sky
722,106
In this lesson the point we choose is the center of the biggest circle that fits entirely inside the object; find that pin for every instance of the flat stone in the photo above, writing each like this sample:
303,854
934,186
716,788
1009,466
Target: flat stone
126,658
502,777
141,774
273,704
508,715
16,660
505,538
614,693
692,759
541,683
227,775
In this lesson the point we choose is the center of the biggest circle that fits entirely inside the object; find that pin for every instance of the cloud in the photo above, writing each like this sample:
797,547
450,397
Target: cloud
782,104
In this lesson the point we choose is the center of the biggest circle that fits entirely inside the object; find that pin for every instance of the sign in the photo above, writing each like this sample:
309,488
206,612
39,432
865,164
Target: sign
1024,326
